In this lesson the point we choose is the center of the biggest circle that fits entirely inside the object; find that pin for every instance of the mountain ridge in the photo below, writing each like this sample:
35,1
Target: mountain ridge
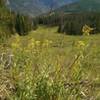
81,6
36,7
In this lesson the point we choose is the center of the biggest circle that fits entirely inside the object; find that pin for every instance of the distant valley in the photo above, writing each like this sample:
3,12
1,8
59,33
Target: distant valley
36,7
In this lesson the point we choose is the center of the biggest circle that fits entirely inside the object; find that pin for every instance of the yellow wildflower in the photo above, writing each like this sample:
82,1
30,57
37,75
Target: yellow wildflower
86,30
15,45
50,42
31,43
81,43
37,43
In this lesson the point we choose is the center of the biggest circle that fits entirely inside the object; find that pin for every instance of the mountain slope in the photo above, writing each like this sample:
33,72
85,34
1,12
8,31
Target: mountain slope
82,6
36,7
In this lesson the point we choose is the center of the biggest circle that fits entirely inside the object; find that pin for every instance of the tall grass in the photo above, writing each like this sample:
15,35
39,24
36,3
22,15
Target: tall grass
30,70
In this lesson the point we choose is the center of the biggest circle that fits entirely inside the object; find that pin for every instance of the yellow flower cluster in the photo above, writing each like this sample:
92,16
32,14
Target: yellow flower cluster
46,43
35,43
16,43
81,44
86,30
31,45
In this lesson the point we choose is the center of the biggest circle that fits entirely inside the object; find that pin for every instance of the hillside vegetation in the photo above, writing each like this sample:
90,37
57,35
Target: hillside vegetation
5,19
11,23
72,23
81,6
45,65
55,56
36,7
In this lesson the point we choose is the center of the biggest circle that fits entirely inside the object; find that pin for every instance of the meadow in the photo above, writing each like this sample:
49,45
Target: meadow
46,65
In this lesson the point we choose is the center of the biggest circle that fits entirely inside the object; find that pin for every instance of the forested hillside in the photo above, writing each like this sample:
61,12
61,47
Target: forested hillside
72,24
36,7
12,22
81,6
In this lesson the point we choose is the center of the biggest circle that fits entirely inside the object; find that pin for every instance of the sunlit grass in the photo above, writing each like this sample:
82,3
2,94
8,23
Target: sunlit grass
46,65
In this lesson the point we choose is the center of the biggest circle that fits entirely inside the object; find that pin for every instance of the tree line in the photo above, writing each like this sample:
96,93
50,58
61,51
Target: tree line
72,24
11,22
21,24
24,24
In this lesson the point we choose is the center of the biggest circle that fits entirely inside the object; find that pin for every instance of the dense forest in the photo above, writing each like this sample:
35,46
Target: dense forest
72,24
11,22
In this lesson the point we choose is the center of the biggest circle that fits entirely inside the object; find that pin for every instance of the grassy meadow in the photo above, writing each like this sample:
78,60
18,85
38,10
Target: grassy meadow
46,65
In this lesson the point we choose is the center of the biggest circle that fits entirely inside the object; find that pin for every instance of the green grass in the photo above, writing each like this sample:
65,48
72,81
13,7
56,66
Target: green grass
47,65
65,42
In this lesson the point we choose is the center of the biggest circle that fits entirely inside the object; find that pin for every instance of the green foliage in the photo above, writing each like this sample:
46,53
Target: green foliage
2,2
71,24
11,23
20,25
24,24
